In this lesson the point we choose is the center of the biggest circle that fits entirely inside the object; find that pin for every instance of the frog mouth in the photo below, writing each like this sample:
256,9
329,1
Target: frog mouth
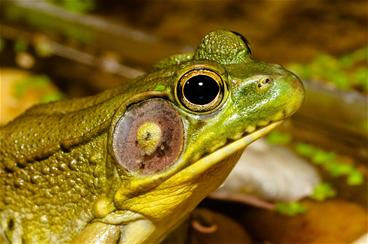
246,134
278,117
211,159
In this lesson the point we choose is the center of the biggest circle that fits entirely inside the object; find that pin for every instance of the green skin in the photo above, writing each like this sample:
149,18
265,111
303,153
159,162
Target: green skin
59,181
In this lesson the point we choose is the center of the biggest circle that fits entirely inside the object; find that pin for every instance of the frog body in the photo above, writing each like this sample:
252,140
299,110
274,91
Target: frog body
130,163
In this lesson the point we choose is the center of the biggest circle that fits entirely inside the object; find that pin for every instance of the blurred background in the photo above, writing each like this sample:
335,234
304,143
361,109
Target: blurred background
305,183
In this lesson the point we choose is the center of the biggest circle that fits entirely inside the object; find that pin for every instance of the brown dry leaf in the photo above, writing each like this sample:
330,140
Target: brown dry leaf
333,221
208,227
18,94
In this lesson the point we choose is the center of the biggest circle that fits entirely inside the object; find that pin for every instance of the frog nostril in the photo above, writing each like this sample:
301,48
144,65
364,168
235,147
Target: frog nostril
264,83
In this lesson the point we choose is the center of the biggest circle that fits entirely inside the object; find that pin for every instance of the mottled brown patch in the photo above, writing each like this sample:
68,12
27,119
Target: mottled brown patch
125,146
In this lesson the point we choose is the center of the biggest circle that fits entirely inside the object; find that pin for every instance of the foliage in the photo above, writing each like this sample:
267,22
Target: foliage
345,73
290,208
323,191
328,160
20,46
279,138
78,6
38,82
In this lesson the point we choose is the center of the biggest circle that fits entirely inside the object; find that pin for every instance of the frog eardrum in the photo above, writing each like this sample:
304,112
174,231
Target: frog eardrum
200,90
149,137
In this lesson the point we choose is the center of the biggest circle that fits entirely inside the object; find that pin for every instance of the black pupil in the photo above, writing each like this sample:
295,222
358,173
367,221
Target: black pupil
201,89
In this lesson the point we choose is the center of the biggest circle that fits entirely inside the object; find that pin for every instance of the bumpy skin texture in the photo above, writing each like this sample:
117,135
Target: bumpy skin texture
60,180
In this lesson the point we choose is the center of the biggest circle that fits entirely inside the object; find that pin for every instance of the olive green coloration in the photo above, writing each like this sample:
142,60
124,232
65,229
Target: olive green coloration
60,180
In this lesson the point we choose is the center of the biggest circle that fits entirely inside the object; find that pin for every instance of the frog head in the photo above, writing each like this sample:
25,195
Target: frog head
179,136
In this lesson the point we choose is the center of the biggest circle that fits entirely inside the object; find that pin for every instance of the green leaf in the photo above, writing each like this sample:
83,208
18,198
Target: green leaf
305,149
20,46
54,96
355,178
321,156
36,81
78,6
290,208
323,191
279,138
336,168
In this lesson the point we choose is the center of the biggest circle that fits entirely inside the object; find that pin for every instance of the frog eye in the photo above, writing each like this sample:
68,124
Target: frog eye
149,137
200,90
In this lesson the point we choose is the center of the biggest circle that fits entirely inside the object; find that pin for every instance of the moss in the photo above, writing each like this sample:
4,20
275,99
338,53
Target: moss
331,162
23,85
48,23
305,149
345,73
78,6
323,191
20,46
39,83
51,97
328,160
320,157
279,138
355,177
290,208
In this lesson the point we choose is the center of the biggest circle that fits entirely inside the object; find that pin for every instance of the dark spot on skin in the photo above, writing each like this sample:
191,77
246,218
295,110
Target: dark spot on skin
147,136
21,165
11,224
284,114
64,148
141,166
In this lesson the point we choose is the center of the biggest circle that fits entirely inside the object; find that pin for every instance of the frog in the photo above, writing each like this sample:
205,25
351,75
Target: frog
129,164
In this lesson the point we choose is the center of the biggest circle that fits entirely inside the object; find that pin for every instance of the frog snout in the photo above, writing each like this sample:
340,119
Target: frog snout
295,94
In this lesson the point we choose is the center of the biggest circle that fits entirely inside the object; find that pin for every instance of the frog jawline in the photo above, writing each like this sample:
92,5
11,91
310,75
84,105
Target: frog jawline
218,155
